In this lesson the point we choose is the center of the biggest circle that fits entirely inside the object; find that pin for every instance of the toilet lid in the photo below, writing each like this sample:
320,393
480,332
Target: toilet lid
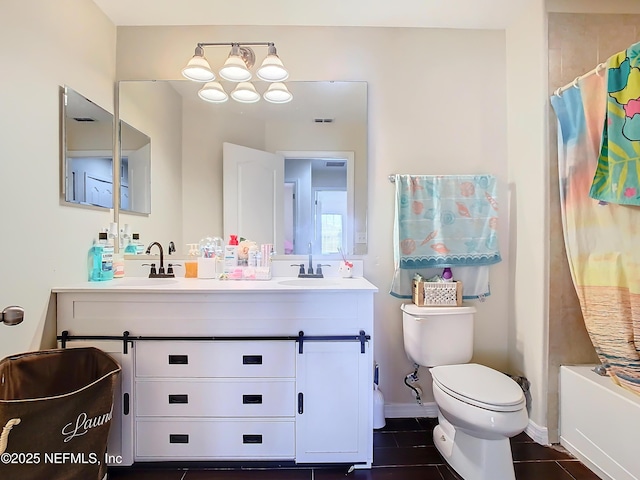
480,386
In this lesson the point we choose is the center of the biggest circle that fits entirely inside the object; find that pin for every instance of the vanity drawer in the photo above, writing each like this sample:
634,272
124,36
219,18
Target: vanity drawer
215,359
197,439
216,398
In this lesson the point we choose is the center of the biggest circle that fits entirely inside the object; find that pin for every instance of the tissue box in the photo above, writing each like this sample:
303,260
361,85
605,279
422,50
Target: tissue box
437,294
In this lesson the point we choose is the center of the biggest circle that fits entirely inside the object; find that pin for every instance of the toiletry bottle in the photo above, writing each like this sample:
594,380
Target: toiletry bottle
132,247
252,259
231,254
101,260
139,245
107,258
191,264
94,262
447,275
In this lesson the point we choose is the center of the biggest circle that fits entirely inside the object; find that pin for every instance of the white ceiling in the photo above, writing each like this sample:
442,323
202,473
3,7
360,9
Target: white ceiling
482,14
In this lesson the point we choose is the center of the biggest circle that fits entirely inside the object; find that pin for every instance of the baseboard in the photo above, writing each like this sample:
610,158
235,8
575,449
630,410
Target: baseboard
410,410
537,433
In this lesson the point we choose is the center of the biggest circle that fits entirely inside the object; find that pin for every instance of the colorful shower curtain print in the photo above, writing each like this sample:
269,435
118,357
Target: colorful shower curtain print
600,238
445,221
617,177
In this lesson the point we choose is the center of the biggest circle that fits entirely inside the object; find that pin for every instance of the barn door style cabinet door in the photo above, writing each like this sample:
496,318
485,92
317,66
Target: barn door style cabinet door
333,418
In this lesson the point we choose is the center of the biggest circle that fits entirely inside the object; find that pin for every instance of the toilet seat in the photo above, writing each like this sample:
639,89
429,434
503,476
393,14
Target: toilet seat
479,386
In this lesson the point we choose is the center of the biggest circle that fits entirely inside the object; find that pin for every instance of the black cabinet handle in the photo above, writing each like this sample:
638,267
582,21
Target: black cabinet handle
178,359
125,404
251,399
252,359
178,399
178,438
300,403
251,438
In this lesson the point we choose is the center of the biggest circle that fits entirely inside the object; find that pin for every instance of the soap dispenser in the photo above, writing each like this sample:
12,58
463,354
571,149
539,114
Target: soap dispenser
191,264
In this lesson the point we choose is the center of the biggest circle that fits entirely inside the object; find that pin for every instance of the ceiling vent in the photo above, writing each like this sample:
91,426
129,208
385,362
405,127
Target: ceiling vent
84,119
336,163
323,120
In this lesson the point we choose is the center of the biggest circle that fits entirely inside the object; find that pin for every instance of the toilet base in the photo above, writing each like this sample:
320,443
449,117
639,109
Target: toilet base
471,457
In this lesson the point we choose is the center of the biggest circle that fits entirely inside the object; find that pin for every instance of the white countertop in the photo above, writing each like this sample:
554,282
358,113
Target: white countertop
200,285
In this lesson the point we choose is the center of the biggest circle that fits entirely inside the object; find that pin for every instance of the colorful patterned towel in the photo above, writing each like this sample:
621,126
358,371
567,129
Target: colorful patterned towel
444,221
617,177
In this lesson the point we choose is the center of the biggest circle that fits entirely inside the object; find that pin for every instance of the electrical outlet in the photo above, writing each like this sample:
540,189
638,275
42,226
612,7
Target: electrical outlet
361,237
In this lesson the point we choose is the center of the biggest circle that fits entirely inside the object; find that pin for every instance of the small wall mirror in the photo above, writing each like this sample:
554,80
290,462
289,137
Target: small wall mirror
86,151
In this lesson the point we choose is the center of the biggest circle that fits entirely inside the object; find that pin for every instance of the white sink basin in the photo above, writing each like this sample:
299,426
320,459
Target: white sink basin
309,282
142,282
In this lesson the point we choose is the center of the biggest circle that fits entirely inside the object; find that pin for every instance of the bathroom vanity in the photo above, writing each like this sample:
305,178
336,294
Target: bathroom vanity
274,370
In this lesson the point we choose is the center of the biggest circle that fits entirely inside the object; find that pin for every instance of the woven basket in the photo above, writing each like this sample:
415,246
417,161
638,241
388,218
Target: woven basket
437,294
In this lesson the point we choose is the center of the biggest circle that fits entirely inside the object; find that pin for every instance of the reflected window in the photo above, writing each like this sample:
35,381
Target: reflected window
331,209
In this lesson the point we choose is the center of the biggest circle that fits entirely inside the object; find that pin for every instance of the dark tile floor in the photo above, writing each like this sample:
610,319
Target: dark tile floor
402,450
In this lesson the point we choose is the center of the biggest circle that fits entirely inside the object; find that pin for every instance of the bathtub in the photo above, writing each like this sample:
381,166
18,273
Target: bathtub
600,423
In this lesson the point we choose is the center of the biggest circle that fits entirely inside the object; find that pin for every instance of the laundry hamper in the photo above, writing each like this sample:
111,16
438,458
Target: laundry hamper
55,414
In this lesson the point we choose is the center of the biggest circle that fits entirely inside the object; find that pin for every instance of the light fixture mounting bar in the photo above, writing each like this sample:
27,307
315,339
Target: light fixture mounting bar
250,44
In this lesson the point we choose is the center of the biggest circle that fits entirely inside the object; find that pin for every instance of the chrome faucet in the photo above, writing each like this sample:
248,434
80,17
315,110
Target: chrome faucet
310,267
160,273
309,274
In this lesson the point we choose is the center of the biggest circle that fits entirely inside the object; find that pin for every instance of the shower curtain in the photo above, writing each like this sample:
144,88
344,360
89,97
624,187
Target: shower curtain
601,239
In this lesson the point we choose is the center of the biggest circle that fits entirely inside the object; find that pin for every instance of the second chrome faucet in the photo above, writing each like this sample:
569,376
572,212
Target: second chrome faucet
309,273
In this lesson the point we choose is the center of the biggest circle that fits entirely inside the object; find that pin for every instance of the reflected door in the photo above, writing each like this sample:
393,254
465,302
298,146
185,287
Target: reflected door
253,195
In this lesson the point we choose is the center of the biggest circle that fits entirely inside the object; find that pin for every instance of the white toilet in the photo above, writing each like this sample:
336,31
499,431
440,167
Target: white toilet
478,408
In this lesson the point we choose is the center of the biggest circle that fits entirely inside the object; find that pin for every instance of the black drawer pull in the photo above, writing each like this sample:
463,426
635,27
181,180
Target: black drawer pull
251,438
178,359
178,438
300,403
251,399
125,404
178,398
252,359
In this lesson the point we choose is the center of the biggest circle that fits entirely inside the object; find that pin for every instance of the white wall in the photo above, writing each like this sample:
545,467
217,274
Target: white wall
453,123
43,45
528,200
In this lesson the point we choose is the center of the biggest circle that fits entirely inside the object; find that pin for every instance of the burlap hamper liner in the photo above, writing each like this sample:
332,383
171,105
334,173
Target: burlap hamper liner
55,411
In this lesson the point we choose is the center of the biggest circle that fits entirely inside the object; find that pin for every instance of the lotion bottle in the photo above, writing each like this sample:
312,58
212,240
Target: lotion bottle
231,254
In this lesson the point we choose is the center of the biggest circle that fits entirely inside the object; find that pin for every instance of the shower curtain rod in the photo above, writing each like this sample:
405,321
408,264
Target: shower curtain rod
596,70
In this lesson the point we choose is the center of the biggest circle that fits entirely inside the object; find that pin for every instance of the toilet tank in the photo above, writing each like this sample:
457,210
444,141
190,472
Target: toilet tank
438,335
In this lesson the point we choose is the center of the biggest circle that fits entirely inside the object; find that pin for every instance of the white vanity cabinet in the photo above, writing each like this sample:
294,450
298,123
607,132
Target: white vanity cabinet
233,371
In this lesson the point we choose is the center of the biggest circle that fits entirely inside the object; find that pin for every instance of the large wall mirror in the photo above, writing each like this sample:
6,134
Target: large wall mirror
321,137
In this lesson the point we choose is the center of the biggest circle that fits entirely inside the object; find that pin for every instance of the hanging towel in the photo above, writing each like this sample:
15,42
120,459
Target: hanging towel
617,177
445,221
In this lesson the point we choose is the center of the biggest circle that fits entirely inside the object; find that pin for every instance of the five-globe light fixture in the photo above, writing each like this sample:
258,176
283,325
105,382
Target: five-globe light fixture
237,69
